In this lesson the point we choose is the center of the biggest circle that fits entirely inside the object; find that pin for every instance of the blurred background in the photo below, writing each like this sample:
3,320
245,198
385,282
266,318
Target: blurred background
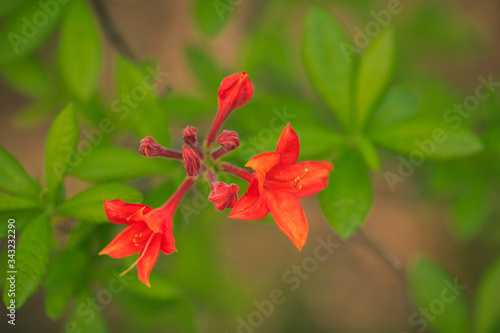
225,272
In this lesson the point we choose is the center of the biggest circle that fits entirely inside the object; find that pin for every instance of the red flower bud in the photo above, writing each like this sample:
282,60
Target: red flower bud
150,148
191,161
224,196
190,139
229,140
234,91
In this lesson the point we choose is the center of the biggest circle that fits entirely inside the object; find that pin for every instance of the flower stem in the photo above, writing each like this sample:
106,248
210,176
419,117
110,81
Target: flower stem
239,172
383,253
176,198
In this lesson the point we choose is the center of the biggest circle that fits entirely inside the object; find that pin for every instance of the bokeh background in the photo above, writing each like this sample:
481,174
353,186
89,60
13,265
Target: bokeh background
225,266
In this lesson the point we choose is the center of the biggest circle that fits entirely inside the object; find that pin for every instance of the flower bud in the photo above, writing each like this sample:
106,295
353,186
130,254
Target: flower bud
189,136
229,140
191,161
224,195
150,148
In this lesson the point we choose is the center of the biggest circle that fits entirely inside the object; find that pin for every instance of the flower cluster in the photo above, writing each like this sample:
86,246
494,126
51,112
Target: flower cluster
275,185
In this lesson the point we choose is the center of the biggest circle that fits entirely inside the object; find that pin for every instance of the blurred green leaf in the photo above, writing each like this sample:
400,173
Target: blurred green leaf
204,69
107,163
469,209
162,288
13,177
376,67
29,76
7,7
36,112
65,274
184,108
85,318
27,29
328,65
211,16
60,149
80,50
431,137
440,295
32,258
21,216
10,202
369,153
349,195
487,305
399,103
88,204
138,103
321,142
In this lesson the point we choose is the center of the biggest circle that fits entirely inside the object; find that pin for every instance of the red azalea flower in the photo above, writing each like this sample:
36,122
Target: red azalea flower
149,231
279,183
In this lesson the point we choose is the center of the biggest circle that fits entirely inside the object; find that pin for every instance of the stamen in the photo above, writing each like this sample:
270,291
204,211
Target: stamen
140,257
297,180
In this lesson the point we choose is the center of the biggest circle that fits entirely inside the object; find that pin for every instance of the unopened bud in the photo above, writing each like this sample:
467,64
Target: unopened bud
191,161
150,148
229,140
189,136
224,195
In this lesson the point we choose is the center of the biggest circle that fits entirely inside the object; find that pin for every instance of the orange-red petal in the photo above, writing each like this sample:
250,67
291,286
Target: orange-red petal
252,205
303,179
123,244
148,259
288,146
168,241
289,216
263,163
120,212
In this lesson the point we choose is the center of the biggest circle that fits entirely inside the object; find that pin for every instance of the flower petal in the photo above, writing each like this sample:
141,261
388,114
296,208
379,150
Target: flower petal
123,244
148,259
263,163
289,216
303,179
120,212
252,205
168,241
288,146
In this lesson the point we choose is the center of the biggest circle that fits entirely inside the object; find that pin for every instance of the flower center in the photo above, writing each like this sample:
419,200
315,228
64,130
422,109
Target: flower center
296,181
138,239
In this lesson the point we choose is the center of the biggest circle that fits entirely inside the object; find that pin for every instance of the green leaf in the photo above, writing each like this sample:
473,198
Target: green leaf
22,217
80,50
204,69
28,76
7,7
32,258
88,204
27,30
399,103
13,177
114,164
162,288
60,150
375,71
86,319
137,101
427,137
440,295
10,202
487,305
348,198
469,209
66,273
320,141
369,153
211,16
327,63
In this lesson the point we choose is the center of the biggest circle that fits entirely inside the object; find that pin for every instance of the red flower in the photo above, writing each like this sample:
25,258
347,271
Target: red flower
279,183
149,231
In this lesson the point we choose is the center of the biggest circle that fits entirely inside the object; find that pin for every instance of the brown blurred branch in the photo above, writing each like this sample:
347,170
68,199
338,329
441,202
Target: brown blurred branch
110,29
